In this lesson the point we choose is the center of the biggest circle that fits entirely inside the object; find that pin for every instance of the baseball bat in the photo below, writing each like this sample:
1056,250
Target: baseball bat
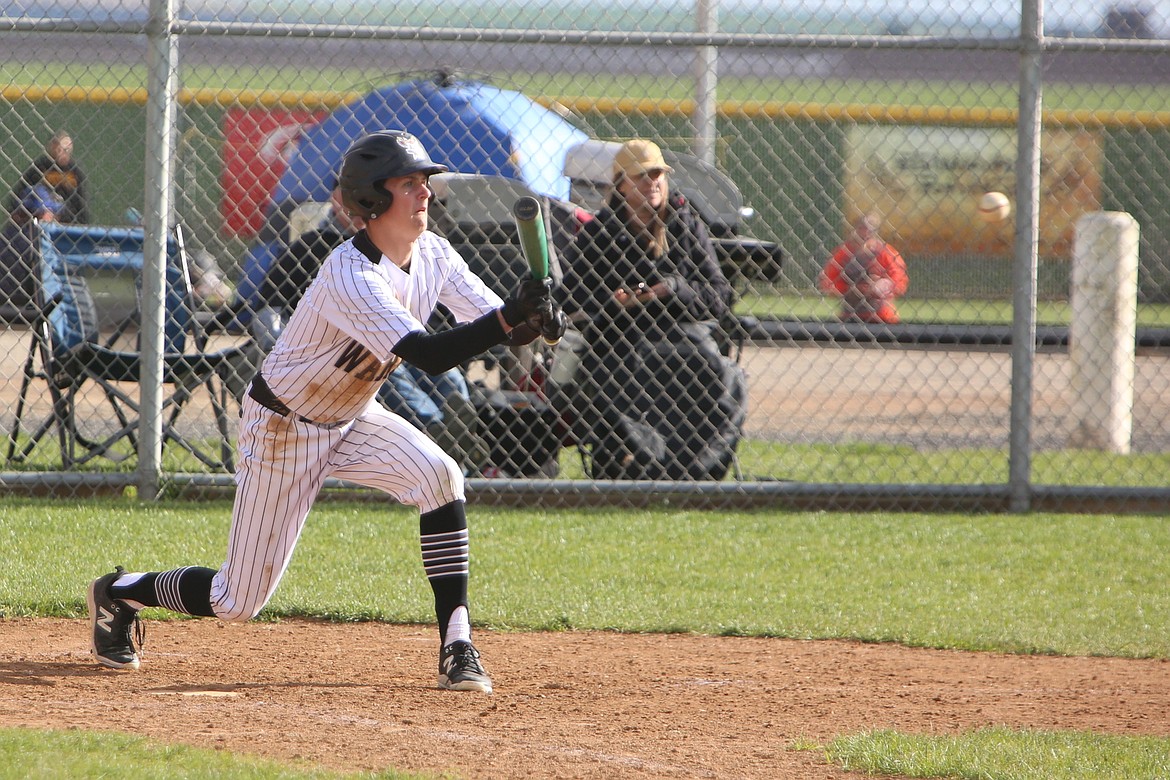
530,223
533,241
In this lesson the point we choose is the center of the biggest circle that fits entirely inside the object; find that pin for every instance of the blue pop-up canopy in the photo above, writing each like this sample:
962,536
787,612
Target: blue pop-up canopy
468,126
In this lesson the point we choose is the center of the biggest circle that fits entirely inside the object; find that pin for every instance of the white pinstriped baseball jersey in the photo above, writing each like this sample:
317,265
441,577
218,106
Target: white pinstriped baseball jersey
327,366
335,352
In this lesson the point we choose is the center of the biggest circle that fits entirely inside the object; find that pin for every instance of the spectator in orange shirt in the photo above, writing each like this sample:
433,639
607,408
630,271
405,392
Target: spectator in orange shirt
867,273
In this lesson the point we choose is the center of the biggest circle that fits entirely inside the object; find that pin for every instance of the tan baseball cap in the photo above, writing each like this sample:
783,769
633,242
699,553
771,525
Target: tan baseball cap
637,157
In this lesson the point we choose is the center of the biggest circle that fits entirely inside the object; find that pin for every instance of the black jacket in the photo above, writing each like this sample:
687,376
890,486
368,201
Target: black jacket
607,256
291,272
68,182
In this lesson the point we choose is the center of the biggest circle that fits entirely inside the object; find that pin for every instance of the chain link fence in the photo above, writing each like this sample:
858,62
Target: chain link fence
784,124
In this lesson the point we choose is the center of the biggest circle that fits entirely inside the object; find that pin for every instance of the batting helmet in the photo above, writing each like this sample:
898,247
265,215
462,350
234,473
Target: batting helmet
374,158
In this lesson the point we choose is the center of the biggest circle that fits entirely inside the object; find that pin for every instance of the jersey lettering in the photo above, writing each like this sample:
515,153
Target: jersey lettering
352,356
374,372
357,360
362,362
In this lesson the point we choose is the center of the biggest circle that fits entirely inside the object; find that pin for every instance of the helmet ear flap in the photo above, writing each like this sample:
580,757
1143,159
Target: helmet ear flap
374,158
383,204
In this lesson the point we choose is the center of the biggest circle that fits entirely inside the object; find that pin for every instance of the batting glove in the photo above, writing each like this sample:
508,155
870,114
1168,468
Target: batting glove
531,298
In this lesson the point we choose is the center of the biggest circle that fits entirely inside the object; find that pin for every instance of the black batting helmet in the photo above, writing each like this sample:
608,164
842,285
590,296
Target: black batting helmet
374,158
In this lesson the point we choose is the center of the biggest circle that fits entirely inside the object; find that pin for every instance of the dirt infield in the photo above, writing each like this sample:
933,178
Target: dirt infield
567,705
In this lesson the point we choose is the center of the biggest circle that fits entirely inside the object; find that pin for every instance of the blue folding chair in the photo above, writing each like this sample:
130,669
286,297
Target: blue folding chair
69,351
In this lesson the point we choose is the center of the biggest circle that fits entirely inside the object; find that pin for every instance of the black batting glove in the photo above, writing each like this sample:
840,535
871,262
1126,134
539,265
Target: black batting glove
553,323
525,305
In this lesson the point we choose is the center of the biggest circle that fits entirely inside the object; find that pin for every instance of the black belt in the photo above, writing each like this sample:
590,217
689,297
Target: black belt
261,393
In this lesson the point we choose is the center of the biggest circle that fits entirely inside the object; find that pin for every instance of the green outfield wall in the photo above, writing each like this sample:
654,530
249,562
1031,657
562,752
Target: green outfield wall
789,162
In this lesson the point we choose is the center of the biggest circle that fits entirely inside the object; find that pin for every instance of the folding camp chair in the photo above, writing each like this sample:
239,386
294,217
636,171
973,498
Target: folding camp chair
68,352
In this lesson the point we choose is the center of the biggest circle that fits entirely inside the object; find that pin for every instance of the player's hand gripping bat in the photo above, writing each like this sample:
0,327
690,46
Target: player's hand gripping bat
534,242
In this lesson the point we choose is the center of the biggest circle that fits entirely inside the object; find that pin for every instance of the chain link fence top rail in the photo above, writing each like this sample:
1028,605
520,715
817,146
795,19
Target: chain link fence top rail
784,123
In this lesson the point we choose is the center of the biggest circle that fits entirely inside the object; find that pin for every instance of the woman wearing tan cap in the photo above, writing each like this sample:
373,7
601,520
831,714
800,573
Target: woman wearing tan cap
643,283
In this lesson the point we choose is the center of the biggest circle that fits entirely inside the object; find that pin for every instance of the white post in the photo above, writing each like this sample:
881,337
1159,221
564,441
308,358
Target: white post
1102,331
1025,256
162,87
706,82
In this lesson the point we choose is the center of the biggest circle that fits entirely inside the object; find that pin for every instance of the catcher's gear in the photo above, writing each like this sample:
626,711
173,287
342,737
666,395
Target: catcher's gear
374,158
531,298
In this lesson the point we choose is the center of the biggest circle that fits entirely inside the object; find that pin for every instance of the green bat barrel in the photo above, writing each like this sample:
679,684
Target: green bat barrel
530,223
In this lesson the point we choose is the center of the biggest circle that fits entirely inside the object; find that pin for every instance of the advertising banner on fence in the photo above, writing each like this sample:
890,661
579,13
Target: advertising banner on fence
926,183
257,143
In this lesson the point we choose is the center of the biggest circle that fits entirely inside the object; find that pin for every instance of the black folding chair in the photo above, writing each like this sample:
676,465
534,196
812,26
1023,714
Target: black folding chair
69,354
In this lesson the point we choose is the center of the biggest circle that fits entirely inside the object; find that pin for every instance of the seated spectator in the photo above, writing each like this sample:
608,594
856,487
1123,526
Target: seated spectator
295,267
643,285
421,398
867,273
440,405
17,252
61,173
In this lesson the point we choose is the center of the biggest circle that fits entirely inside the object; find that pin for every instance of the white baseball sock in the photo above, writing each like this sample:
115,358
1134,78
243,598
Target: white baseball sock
459,626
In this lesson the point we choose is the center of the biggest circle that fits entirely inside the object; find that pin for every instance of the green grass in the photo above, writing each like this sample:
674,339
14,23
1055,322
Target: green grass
891,464
861,462
1061,584
1004,754
1068,584
79,755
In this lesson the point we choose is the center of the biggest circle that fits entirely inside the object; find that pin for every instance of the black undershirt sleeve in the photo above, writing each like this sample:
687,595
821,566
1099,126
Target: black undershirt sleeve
438,352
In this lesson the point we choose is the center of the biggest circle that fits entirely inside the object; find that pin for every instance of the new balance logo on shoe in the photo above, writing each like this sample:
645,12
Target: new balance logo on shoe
460,670
105,620
114,626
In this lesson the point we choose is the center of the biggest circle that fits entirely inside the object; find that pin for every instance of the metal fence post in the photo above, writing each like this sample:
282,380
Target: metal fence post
706,81
162,67
1026,245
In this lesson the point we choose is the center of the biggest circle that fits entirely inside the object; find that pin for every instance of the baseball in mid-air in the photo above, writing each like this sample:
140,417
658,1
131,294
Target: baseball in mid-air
994,207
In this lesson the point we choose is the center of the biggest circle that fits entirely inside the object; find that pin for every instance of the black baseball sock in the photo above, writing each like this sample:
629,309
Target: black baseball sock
186,590
443,537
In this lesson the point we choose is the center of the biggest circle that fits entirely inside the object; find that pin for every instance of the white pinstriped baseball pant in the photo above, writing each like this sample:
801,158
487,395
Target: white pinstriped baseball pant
283,464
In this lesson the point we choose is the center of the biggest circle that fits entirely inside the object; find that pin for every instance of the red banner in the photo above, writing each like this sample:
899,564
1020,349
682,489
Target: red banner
257,142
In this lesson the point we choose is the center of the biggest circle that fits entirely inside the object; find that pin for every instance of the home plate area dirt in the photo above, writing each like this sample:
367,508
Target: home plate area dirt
566,705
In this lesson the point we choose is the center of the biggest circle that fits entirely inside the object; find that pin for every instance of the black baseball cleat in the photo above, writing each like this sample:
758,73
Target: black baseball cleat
460,669
111,622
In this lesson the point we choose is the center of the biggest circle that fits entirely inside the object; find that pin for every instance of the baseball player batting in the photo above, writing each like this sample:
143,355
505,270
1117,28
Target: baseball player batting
310,413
